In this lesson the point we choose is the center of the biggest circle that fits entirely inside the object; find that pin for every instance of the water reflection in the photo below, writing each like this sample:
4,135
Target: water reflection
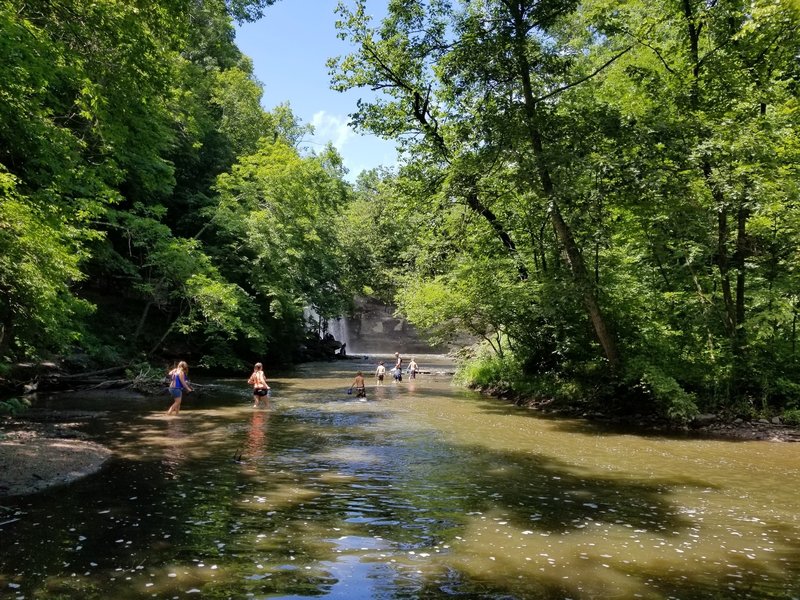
255,446
173,451
425,491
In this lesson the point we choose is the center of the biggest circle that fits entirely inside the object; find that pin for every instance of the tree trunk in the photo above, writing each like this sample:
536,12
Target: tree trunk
723,264
587,290
142,321
575,259
420,112
6,331
163,337
739,259
475,204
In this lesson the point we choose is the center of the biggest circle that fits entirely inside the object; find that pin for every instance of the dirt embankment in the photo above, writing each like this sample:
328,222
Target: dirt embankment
45,448
703,426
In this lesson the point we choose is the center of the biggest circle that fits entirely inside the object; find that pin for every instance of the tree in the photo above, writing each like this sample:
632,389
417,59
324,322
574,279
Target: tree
705,94
276,234
38,263
114,126
651,153
451,85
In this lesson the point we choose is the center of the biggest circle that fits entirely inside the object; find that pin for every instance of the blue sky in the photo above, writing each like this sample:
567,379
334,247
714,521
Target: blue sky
289,47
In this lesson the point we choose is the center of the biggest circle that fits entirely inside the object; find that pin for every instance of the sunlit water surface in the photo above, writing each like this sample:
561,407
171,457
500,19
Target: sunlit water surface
423,491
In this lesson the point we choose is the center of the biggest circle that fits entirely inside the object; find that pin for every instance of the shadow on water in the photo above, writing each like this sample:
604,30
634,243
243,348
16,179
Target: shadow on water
325,497
586,426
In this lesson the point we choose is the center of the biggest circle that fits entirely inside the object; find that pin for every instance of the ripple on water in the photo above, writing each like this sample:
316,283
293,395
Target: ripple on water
436,494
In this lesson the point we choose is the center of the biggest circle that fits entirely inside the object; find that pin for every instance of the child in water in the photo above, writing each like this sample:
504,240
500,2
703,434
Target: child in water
360,385
177,384
260,386
380,373
412,368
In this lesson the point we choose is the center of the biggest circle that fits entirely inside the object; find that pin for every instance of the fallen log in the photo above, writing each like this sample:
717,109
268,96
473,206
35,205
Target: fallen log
67,377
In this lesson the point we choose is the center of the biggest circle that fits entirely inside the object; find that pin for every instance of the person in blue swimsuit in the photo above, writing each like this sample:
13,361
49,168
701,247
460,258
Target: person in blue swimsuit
178,383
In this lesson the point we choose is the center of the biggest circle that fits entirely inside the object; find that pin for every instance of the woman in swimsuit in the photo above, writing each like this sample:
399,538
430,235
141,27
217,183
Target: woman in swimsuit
260,387
178,383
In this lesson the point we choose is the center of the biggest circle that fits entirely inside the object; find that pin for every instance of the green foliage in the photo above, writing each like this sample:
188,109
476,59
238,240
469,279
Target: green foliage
506,376
248,10
791,417
601,192
787,391
277,228
14,406
238,97
39,260
668,398
477,297
596,176
487,370
124,133
377,229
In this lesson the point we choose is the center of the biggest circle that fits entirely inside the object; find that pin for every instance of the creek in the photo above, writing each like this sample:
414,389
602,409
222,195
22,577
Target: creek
426,490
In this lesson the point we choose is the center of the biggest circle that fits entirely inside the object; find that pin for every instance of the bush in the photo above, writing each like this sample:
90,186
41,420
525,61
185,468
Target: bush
671,400
488,371
788,392
791,417
14,406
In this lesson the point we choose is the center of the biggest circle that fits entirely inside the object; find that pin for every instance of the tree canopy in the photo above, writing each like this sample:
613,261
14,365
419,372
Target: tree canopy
609,189
150,205
604,193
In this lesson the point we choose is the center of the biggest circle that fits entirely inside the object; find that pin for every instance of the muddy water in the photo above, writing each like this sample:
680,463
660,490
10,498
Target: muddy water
423,491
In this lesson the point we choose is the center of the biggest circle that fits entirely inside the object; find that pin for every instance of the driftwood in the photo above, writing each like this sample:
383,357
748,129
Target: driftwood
46,378
147,385
74,381
148,382
88,375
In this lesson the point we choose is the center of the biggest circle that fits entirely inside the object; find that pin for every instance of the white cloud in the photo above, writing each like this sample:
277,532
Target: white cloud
331,128
361,152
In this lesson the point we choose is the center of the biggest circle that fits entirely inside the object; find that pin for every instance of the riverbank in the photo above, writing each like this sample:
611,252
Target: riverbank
707,426
46,448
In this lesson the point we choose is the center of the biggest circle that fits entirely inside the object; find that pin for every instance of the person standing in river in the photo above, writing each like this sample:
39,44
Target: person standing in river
412,368
178,383
260,386
380,372
398,367
360,385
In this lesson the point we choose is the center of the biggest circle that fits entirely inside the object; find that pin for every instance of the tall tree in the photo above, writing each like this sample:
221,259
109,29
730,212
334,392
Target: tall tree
451,83
706,91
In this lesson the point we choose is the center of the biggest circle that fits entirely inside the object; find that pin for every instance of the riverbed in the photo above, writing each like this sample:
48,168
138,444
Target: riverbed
424,490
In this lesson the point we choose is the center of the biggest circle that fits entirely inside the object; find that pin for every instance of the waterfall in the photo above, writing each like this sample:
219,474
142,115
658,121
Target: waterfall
338,327
340,331
372,329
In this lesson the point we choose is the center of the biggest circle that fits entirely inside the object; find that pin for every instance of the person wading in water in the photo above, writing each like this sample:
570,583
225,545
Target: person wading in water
360,386
398,367
178,383
260,386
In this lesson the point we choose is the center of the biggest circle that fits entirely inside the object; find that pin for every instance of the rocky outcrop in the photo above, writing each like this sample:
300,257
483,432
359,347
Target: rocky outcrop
374,328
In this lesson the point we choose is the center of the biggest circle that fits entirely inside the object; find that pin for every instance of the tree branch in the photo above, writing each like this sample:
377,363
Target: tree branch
583,79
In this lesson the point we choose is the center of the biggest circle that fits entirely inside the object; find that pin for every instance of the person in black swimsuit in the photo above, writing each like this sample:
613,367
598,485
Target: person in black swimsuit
260,386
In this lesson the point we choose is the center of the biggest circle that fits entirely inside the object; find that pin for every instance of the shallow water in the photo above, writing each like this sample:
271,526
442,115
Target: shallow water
423,491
